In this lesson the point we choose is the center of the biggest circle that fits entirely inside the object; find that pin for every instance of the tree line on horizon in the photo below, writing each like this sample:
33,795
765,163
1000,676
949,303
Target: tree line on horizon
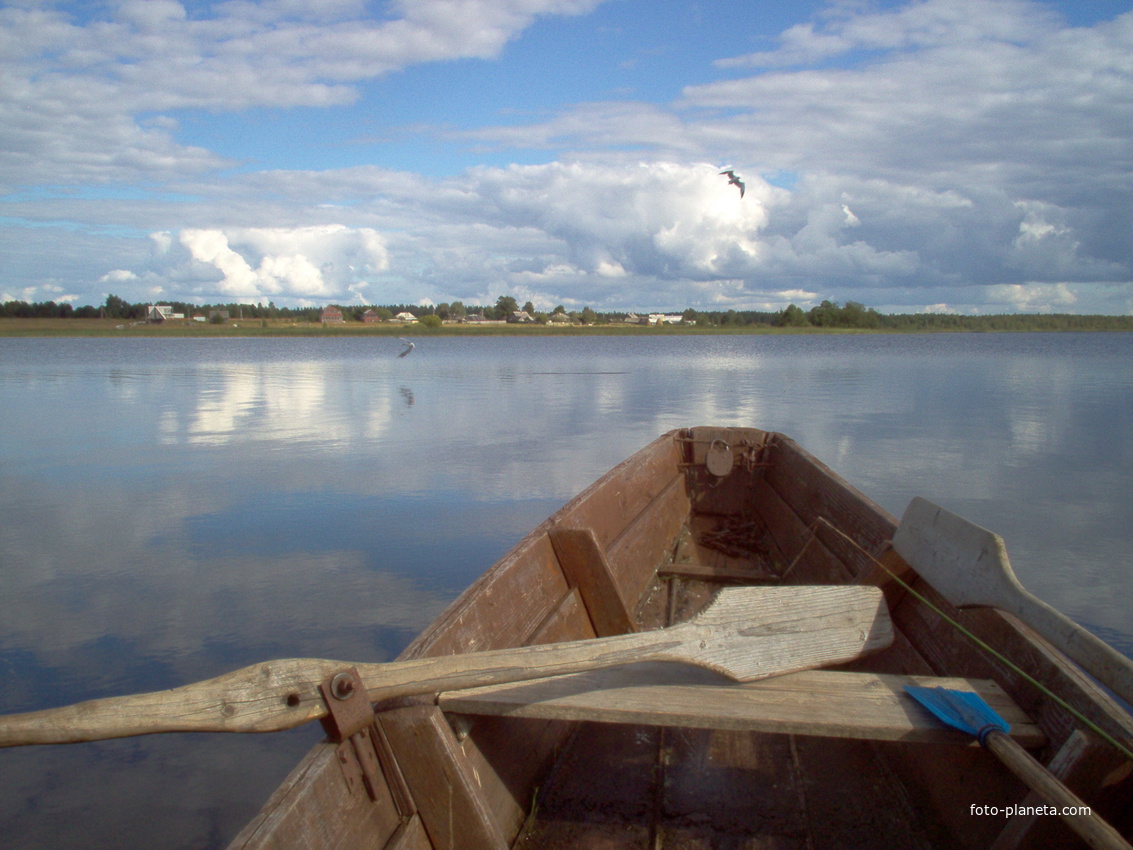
828,314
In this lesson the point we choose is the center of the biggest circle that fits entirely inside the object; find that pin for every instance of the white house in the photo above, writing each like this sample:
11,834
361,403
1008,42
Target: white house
161,312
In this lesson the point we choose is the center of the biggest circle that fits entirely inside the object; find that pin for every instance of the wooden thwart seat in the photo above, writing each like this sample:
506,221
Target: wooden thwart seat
817,702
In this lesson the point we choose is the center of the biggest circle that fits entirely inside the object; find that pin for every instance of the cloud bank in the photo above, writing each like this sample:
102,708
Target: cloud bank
310,262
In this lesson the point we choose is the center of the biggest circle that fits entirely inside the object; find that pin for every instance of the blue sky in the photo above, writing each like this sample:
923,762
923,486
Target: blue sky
969,156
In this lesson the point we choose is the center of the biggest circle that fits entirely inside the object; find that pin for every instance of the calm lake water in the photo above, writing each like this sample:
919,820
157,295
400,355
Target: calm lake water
173,509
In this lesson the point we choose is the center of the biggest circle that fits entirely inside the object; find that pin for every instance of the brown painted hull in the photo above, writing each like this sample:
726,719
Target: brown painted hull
669,533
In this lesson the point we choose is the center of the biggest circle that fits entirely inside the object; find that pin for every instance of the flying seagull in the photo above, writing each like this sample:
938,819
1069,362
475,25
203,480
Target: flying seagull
733,180
408,347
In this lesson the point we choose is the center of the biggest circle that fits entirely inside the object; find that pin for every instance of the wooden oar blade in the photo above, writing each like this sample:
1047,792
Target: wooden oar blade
965,562
969,566
961,710
753,633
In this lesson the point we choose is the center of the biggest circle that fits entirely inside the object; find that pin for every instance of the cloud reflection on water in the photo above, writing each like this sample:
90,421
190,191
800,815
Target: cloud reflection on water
174,509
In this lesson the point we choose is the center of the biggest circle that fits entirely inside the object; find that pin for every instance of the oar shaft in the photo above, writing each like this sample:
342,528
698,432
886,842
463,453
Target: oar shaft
502,666
1091,828
282,694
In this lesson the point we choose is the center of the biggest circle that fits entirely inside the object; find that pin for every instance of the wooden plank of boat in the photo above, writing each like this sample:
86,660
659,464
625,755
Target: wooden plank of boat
833,704
585,566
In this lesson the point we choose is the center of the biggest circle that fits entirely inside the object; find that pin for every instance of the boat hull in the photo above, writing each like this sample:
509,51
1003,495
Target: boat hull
646,546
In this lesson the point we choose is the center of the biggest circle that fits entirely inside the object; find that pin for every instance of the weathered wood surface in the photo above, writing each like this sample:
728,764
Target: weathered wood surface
508,758
580,806
1091,827
747,633
804,555
502,607
809,490
586,568
631,785
447,794
813,490
703,789
706,551
647,541
730,495
265,697
569,620
1083,761
721,574
314,808
411,835
822,703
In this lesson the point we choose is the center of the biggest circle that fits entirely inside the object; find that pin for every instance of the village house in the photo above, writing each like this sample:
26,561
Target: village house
478,319
161,312
331,316
405,317
371,317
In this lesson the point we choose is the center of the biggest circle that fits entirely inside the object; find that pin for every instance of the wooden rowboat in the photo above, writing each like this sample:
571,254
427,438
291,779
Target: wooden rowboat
660,755
650,757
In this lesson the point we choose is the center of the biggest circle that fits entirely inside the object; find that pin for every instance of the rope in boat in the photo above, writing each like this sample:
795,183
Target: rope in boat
981,644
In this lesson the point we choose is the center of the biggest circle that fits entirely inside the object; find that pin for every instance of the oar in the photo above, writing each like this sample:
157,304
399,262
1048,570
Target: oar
969,713
746,633
969,566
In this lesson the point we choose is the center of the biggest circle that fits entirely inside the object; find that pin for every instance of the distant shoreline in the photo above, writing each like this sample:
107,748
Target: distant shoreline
14,327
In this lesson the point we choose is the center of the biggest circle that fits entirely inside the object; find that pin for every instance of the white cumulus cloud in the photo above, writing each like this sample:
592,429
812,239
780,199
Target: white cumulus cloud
654,218
307,262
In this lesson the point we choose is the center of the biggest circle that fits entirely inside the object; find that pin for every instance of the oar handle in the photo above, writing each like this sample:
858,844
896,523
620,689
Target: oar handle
1090,827
1097,657
266,697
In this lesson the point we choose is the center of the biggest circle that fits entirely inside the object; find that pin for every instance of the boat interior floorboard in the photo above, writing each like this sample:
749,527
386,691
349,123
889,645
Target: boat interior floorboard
726,548
683,789
581,807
